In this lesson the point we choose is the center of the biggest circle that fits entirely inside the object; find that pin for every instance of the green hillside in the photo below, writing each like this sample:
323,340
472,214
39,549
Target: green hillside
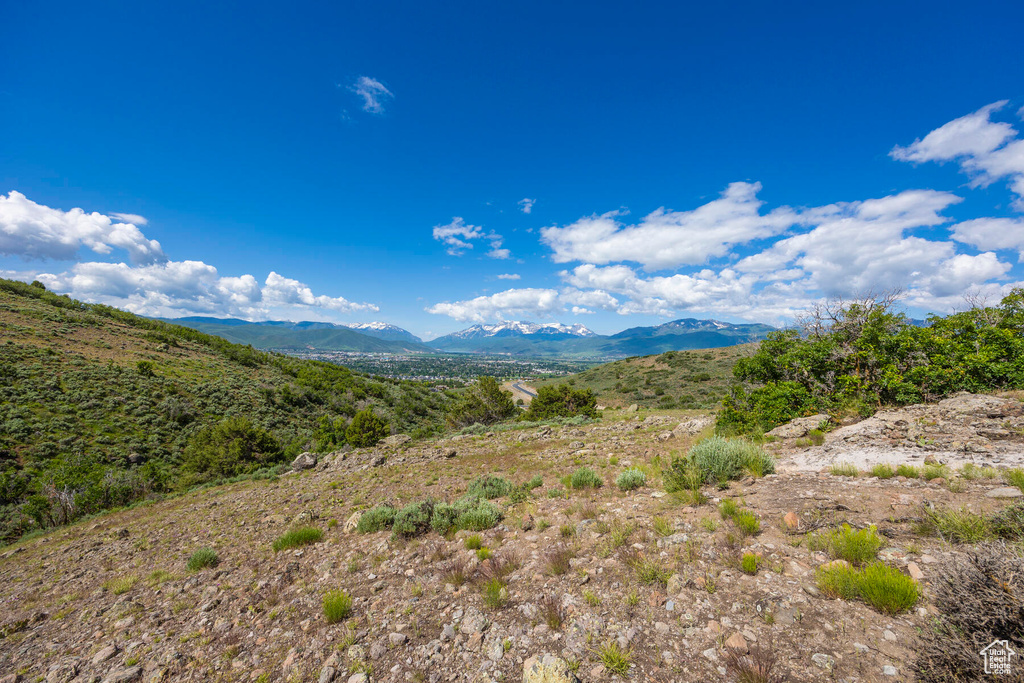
100,408
676,379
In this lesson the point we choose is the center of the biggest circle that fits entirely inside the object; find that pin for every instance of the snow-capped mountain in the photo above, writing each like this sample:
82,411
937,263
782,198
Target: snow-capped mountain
521,327
383,331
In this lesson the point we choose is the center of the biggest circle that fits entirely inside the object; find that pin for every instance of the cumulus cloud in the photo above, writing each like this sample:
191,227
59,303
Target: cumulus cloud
34,231
176,288
509,276
986,150
373,92
992,233
526,204
669,239
133,218
512,303
459,236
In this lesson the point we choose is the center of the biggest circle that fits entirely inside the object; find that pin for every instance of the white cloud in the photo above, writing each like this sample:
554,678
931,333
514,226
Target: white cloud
34,231
281,291
668,239
133,218
177,288
986,150
992,233
459,236
373,92
508,276
512,303
526,204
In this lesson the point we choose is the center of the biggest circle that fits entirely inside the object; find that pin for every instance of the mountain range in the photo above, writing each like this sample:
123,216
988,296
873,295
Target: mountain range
517,338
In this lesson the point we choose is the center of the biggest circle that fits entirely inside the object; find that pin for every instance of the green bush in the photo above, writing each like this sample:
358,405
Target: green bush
376,519
471,513
720,459
484,402
883,471
489,487
366,429
844,469
747,522
231,447
585,478
631,479
473,542
413,519
908,471
337,606
748,563
886,589
855,546
561,401
201,559
298,537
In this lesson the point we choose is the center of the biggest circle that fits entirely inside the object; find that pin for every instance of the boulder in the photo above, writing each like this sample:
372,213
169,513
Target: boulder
632,408
1005,492
305,461
693,426
396,440
799,427
548,669
351,523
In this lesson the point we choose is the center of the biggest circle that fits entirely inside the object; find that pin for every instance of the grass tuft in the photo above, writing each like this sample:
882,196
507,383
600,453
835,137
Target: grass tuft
844,469
886,589
201,559
585,478
298,537
631,479
337,606
855,546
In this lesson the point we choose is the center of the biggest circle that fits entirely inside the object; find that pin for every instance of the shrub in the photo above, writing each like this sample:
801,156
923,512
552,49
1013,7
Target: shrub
727,508
366,429
201,559
376,519
631,479
844,469
855,546
337,606
614,658
980,598
485,403
231,447
719,459
489,487
298,537
535,483
816,437
585,478
495,593
956,525
413,519
748,563
1015,477
747,522
886,589
883,471
479,515
473,542
484,553
559,559
561,401
908,471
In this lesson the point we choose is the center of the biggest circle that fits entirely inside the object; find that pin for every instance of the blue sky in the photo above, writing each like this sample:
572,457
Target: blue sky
371,162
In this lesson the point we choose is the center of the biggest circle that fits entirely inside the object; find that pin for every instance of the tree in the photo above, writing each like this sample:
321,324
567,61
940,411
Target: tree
231,447
561,401
485,403
366,429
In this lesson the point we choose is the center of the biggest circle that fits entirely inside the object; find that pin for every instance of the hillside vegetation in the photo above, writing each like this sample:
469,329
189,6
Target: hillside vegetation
101,408
676,379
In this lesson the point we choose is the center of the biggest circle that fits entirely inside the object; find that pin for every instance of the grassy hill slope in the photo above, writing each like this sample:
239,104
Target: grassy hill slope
676,379
327,338
98,407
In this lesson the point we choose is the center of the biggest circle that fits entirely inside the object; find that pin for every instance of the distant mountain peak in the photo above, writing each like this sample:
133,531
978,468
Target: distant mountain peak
522,327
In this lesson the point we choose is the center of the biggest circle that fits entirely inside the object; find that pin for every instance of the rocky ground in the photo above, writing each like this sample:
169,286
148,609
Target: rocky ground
646,573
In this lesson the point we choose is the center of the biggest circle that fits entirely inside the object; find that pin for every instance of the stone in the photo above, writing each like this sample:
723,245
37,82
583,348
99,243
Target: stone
915,572
396,440
889,670
792,521
474,622
305,461
548,669
1005,492
380,461
823,661
104,654
352,523
889,635
632,408
397,639
694,426
799,427
130,673
674,585
358,678
737,643
835,564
